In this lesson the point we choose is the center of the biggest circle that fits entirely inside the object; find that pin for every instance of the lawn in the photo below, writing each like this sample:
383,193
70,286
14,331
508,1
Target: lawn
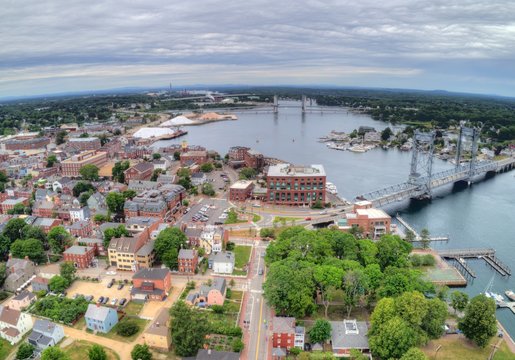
5,349
232,305
256,218
133,308
242,255
114,336
79,348
457,347
285,219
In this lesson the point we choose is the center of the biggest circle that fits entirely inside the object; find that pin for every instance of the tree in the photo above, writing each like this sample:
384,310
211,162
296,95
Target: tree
115,202
156,156
127,328
34,232
356,354
58,284
479,323
354,285
393,339
185,182
118,170
320,332
141,352
13,229
328,278
247,173
97,352
82,187
189,328
434,321
177,155
425,238
67,271
206,167
412,307
170,259
317,205
386,133
54,353
89,172
51,160
129,194
17,209
167,240
155,174
58,239
393,251
414,354
267,233
207,189
238,345
60,137
116,232
25,351
32,248
410,236
459,301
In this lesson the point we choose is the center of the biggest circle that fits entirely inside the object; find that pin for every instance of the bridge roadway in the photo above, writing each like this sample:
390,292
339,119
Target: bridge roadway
409,190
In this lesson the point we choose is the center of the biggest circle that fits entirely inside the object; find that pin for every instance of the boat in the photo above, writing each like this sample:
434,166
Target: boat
490,294
358,149
510,294
330,187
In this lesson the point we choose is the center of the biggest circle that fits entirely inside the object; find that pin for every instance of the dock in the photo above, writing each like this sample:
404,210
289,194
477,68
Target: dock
507,304
408,227
486,254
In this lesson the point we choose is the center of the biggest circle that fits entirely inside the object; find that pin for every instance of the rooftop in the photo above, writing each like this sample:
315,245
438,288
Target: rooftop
77,250
241,184
291,170
151,274
349,334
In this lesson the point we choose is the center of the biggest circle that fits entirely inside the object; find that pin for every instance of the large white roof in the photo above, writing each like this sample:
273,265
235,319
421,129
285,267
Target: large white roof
178,120
148,132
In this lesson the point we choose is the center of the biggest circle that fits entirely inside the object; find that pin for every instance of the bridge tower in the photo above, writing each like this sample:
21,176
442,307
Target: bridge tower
470,135
422,162
304,103
276,104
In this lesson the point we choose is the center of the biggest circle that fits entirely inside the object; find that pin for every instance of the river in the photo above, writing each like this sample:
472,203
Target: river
477,216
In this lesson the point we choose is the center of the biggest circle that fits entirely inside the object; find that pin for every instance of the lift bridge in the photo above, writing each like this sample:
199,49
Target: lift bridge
422,180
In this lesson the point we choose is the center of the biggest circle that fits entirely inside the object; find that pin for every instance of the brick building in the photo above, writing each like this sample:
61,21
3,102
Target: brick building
241,156
82,228
188,261
198,157
81,256
27,144
373,222
285,334
241,190
83,144
151,284
141,171
72,166
254,159
9,204
295,185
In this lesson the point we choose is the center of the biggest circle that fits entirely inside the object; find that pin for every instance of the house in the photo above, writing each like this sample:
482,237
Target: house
39,284
211,239
19,272
9,204
198,179
188,261
158,335
285,334
43,208
208,354
100,318
45,334
22,300
13,324
81,256
241,190
209,295
197,157
81,228
97,203
97,244
193,234
141,171
79,213
46,224
222,262
151,284
347,335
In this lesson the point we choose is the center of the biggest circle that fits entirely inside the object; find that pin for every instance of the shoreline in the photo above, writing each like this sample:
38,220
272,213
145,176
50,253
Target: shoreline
507,337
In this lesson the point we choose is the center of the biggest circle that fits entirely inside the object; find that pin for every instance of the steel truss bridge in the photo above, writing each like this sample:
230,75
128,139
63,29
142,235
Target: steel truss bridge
422,181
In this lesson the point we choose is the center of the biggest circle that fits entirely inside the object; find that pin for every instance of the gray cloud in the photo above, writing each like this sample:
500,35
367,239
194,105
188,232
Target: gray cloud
465,45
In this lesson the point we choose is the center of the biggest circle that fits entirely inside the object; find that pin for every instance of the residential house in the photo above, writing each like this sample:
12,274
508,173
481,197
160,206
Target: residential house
100,318
39,284
95,243
347,335
141,171
285,334
43,208
197,157
212,238
161,164
209,295
97,203
79,213
151,284
45,334
46,224
81,256
22,300
193,234
19,272
198,179
81,228
158,335
222,262
13,324
9,204
209,354
188,261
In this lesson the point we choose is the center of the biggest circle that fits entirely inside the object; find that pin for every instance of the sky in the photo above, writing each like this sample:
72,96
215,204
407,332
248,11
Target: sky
57,46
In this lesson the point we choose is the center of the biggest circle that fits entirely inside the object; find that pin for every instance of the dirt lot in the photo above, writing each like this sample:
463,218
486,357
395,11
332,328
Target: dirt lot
151,308
99,289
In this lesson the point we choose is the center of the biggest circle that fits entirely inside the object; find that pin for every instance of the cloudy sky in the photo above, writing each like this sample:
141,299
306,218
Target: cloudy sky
69,45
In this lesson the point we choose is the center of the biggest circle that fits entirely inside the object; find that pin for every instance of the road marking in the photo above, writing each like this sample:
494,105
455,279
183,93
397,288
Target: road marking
259,329
256,291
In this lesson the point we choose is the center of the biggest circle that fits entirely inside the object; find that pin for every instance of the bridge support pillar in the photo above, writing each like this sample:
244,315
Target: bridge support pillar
276,104
304,104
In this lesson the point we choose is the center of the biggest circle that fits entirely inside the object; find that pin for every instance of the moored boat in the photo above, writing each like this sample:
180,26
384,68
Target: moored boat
510,294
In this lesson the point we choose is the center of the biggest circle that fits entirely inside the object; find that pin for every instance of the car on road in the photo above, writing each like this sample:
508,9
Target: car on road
120,286
307,219
263,254
260,272
122,301
101,300
323,212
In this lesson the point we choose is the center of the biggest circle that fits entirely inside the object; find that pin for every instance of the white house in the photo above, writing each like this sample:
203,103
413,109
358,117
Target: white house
79,213
211,239
198,178
13,324
222,262
45,333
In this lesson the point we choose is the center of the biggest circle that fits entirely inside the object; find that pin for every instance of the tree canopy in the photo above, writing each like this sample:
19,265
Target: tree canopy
320,332
189,328
479,323
89,172
167,246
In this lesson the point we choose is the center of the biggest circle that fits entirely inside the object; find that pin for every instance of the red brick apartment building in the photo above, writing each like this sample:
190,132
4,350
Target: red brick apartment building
152,284
81,256
71,167
241,190
188,261
141,171
27,144
295,185
198,157
373,222
83,144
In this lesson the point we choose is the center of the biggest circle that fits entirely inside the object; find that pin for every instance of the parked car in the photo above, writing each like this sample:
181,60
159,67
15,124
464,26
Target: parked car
89,298
76,296
101,300
308,219
106,299
260,272
110,285
122,301
120,286
114,301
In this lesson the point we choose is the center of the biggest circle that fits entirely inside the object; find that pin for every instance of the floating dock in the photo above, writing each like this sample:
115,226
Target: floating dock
408,227
486,254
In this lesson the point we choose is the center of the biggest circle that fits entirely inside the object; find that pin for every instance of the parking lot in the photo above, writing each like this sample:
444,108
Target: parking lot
218,182
99,289
214,208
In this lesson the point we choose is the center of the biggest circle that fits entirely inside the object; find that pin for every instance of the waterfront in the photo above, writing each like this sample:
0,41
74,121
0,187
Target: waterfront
478,216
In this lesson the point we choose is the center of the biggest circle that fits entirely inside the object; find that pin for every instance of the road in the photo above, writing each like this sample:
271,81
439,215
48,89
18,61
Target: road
257,314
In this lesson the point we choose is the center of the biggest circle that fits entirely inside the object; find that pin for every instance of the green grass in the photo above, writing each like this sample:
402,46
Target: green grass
79,348
232,305
457,347
114,336
285,219
256,218
241,255
5,349
133,308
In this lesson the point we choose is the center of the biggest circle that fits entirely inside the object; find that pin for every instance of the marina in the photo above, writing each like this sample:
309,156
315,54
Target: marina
486,254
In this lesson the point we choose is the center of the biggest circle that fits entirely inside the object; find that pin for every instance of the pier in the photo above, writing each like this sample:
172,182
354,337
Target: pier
507,304
417,235
487,254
